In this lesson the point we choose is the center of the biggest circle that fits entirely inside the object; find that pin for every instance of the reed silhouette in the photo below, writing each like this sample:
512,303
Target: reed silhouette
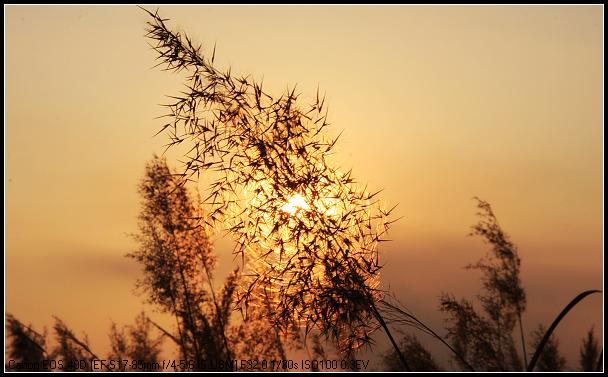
135,342
178,262
473,337
306,233
486,339
420,359
307,237
590,355
26,346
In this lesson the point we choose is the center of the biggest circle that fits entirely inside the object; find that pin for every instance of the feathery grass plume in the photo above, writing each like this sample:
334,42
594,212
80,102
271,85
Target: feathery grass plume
178,262
134,343
504,299
472,335
308,236
26,346
550,359
120,347
72,350
589,352
177,258
486,341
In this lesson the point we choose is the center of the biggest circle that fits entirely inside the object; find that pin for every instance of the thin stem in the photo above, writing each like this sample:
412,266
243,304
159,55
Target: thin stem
556,322
218,311
69,335
424,328
192,325
165,332
523,342
433,333
179,329
390,337
174,304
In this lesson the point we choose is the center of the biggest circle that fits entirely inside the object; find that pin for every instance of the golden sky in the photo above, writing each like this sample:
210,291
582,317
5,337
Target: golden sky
437,104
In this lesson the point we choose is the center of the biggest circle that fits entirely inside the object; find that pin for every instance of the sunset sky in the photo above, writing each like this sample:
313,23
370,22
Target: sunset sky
437,105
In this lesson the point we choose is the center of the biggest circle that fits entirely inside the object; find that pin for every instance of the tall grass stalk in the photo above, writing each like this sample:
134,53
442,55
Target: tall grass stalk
317,259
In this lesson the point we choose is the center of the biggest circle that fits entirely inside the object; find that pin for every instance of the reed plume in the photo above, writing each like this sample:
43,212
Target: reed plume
307,234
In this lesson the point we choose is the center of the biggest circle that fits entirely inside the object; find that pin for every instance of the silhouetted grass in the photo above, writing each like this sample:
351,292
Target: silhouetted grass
307,236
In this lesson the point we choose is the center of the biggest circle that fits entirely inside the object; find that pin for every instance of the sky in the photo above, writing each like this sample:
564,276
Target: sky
436,104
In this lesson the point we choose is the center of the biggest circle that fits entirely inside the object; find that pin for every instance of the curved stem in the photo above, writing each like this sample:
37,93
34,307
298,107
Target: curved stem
556,322
428,330
447,345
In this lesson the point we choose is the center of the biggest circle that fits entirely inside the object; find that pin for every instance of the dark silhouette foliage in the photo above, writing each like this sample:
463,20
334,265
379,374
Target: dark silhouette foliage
485,339
177,259
307,235
25,346
419,359
71,349
178,262
135,342
589,353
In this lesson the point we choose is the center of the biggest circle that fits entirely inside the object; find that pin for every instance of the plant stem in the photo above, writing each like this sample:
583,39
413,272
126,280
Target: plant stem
218,311
424,328
390,337
192,325
523,342
459,356
556,322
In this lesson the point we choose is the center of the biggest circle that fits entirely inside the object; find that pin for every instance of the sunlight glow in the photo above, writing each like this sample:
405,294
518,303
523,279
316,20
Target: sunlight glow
295,204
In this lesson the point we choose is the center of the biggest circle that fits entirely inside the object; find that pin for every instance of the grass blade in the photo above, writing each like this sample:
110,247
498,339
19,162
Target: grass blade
556,322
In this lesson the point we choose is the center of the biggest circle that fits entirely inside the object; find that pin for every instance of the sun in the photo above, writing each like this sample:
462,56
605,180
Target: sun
295,204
